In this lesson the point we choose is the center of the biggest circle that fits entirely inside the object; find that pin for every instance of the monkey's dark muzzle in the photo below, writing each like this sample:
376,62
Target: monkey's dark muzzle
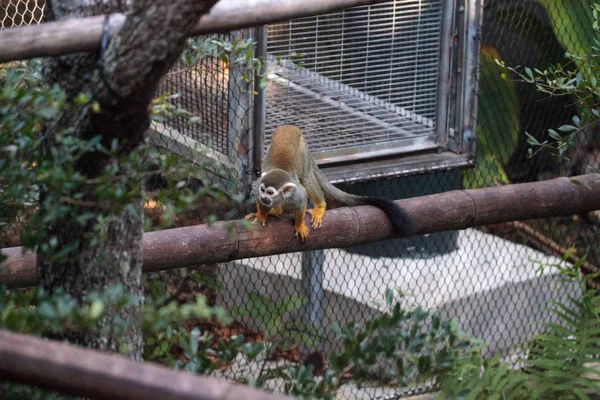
267,201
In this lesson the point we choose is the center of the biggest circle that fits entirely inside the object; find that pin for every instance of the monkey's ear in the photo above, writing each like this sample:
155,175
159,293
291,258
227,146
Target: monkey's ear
288,189
263,174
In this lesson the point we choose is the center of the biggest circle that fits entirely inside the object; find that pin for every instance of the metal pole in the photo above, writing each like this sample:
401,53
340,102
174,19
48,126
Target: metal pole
238,103
473,15
444,79
260,105
312,284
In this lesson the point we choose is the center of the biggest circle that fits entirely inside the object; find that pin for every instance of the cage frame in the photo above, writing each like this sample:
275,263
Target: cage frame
455,119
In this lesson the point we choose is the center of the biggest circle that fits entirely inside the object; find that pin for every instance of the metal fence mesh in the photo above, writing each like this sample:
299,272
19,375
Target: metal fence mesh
18,12
204,92
361,78
486,278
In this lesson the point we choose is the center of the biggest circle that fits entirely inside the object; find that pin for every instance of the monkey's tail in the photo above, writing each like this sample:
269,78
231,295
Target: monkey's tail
398,217
400,220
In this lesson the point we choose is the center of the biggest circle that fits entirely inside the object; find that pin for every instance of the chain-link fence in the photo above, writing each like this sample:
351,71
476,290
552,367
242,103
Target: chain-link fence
487,278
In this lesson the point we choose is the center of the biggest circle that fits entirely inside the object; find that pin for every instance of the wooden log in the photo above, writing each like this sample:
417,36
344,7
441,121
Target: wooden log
346,226
89,373
83,34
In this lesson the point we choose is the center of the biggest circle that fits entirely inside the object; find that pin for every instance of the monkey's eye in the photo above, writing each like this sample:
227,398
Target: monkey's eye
262,188
270,192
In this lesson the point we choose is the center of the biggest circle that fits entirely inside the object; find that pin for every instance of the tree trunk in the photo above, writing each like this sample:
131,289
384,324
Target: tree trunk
123,81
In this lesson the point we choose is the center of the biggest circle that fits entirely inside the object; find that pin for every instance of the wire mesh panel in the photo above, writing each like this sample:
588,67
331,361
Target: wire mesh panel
217,96
360,82
203,91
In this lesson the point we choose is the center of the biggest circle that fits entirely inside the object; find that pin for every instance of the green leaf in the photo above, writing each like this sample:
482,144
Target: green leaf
389,297
252,350
47,112
567,128
224,58
96,309
529,74
554,135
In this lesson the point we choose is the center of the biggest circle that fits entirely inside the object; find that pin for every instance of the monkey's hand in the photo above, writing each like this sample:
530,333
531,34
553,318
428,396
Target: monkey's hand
302,231
316,216
257,217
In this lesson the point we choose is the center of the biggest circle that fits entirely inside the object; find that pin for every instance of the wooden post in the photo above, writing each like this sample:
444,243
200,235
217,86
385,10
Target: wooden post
83,34
89,373
346,226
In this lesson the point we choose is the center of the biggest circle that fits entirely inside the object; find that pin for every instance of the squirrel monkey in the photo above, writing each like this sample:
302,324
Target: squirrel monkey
291,174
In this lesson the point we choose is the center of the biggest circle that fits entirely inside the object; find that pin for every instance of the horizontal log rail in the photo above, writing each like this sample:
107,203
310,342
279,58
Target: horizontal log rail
345,226
83,34
85,372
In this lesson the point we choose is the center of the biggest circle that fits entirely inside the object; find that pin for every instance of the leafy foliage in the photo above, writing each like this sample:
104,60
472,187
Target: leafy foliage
579,77
272,315
26,166
495,142
33,311
398,348
233,54
562,363
164,329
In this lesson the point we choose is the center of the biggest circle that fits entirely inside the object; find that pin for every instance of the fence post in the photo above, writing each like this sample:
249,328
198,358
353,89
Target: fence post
260,104
312,285
239,116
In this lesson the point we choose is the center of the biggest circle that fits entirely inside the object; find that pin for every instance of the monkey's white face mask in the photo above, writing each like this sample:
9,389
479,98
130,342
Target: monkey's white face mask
269,196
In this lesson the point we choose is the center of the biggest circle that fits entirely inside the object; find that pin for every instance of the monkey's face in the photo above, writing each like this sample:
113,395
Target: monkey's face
274,187
270,196
267,195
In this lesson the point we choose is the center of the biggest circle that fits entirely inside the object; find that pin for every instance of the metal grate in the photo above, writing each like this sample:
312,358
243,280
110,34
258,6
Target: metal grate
359,82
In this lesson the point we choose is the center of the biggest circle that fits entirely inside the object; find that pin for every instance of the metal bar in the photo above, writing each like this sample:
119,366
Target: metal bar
412,164
83,34
458,83
312,283
260,105
357,87
443,93
374,150
473,14
238,116
185,146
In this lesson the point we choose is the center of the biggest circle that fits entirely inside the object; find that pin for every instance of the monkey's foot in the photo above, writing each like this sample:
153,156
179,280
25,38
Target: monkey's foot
303,232
316,217
257,217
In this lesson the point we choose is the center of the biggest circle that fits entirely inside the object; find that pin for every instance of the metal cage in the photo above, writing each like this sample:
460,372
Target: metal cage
375,87
382,90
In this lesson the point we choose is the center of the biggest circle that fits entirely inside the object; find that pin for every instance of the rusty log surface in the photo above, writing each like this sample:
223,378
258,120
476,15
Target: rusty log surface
83,34
346,226
84,372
